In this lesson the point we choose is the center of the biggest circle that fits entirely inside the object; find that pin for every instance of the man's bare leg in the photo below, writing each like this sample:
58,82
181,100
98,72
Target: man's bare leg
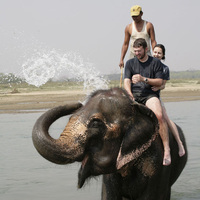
165,139
155,105
175,132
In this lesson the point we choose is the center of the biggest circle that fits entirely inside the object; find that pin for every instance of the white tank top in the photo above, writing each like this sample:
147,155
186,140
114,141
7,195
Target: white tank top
142,34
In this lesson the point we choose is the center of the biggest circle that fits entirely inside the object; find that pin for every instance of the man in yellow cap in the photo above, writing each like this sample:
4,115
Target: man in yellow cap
139,28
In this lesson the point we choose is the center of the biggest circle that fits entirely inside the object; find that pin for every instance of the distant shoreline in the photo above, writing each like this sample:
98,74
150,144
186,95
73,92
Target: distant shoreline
26,102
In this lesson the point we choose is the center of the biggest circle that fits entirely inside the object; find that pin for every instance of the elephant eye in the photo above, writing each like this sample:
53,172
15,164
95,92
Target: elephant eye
95,123
96,132
96,128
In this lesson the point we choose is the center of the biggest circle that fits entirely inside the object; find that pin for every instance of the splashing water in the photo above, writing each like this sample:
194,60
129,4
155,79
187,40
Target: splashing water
45,66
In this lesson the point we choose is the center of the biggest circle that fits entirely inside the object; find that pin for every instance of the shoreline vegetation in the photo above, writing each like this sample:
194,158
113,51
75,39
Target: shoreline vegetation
24,98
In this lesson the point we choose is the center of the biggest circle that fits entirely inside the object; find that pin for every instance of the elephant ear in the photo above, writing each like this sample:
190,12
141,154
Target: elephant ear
139,135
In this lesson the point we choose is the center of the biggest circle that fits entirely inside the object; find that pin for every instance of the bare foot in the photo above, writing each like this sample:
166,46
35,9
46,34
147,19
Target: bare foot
181,150
167,158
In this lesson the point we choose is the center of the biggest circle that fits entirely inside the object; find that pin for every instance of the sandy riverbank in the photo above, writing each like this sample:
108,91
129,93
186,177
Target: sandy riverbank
36,100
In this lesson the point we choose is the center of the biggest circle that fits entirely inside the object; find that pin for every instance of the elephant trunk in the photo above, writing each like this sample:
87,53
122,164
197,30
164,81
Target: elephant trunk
52,149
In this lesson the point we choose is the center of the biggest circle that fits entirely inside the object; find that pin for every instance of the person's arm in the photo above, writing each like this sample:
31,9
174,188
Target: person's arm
151,81
154,81
125,45
162,87
127,87
166,77
151,32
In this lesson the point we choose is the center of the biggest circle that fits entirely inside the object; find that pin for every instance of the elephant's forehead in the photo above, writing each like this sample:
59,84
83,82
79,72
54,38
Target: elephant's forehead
106,101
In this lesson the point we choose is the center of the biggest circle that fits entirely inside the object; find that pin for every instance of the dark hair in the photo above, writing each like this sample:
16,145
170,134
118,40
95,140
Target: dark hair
163,49
140,42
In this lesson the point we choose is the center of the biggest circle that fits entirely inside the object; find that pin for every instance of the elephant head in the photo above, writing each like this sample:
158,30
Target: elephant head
105,134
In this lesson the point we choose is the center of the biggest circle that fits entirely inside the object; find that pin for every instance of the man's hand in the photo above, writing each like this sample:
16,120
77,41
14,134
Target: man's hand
154,88
137,78
121,64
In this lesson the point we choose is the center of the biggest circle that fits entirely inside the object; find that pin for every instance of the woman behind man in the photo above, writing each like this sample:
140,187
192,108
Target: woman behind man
159,52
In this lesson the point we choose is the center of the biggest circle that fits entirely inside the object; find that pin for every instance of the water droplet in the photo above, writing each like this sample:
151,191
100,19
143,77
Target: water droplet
51,65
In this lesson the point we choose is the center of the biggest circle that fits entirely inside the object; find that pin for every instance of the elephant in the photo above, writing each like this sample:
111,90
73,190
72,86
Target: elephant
113,136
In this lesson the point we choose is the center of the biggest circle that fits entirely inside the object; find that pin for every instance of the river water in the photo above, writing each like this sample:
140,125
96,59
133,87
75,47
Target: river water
24,174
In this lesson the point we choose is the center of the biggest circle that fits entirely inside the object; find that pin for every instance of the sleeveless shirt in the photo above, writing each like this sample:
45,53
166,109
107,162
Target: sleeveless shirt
142,34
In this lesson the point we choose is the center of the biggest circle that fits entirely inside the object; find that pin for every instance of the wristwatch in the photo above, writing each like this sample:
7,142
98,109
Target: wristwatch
146,80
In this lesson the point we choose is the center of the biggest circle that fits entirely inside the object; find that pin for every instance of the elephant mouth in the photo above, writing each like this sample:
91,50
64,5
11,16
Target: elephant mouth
90,168
84,171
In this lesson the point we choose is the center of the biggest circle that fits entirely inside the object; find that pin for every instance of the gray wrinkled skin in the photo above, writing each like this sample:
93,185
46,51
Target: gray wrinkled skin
114,136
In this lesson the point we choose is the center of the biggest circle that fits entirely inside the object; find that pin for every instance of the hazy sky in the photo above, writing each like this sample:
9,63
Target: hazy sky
95,29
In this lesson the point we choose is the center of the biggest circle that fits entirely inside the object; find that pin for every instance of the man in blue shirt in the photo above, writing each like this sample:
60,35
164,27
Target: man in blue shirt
141,74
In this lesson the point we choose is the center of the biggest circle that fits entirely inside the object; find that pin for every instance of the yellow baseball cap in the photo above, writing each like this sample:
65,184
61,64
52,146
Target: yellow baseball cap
135,10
